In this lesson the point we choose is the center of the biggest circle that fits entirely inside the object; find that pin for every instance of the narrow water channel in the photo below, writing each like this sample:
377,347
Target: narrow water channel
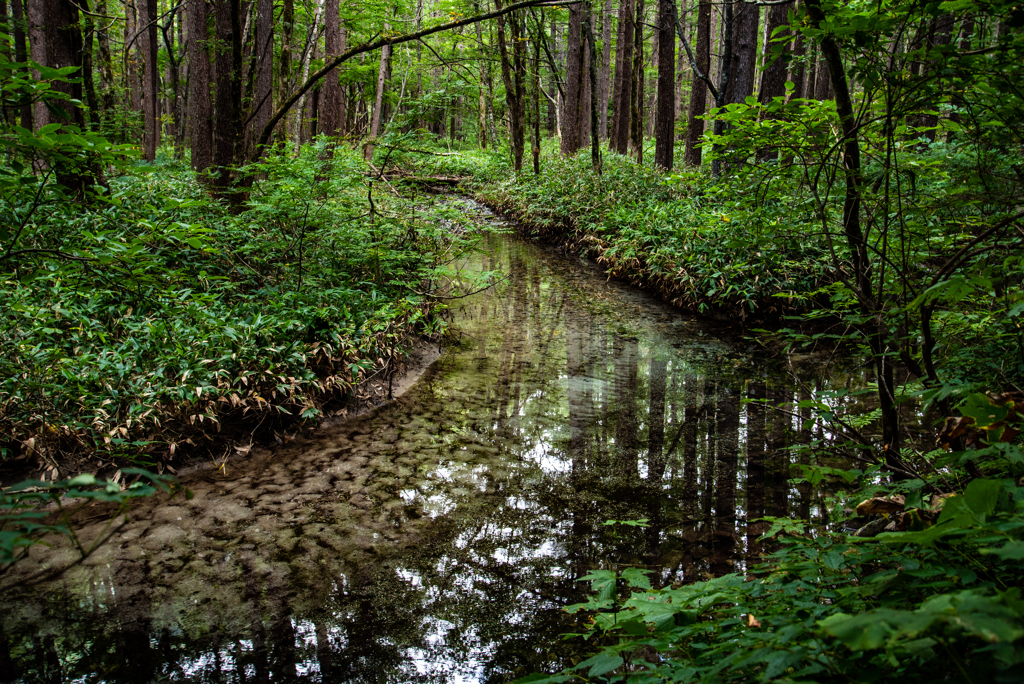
437,539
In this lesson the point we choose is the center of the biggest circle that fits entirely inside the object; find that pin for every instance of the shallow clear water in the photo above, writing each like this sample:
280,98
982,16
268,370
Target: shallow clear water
436,539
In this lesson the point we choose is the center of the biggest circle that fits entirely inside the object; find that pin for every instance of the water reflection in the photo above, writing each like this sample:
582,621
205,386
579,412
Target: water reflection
437,539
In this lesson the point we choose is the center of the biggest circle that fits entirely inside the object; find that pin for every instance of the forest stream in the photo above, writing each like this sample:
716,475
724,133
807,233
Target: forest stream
439,537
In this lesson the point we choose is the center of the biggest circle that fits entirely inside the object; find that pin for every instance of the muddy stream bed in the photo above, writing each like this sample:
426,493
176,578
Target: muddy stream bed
437,538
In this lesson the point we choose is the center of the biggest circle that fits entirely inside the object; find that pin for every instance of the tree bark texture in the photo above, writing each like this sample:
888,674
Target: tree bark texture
664,138
151,81
200,116
573,83
698,89
331,93
624,79
743,65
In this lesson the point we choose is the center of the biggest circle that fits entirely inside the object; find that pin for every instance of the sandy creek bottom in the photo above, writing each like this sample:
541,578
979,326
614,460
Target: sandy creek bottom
437,538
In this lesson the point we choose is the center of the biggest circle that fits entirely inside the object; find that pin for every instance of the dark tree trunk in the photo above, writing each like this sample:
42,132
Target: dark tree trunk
586,87
573,83
512,75
331,95
773,78
263,99
227,66
743,66
624,79
151,76
37,46
636,130
21,56
699,91
798,70
594,129
200,118
823,83
64,49
664,138
941,35
606,67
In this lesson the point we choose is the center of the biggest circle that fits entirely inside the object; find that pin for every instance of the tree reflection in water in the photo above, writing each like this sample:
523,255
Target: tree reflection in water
437,539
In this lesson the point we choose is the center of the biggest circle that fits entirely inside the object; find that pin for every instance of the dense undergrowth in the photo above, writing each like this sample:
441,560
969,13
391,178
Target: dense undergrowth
152,320
676,235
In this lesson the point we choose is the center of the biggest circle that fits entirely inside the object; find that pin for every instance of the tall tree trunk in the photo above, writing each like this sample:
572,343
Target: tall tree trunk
151,82
106,64
664,138
606,67
773,77
331,104
636,130
573,83
651,85
698,89
263,94
37,46
285,59
798,66
88,83
378,102
624,79
586,87
594,129
860,263
723,78
64,49
743,66
823,81
200,118
535,148
512,76
21,56
228,89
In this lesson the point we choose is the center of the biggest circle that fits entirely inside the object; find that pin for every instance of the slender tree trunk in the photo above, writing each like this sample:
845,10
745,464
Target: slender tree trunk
698,89
512,76
37,45
636,131
606,67
263,93
331,104
664,139
586,87
651,85
798,68
823,81
595,136
285,59
151,80
624,78
200,119
573,83
93,112
539,29
378,103
773,77
21,55
860,264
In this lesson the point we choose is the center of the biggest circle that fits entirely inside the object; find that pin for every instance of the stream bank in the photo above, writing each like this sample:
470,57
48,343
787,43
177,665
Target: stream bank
437,538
